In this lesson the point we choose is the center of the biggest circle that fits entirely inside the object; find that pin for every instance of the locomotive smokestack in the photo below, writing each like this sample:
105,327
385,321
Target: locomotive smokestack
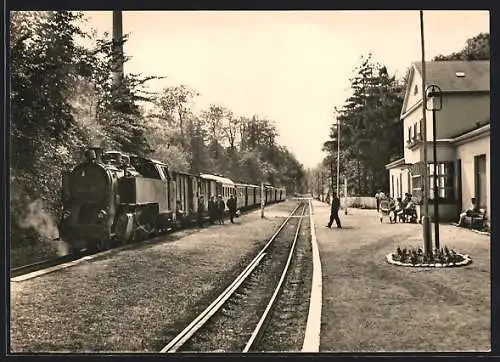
97,151
117,47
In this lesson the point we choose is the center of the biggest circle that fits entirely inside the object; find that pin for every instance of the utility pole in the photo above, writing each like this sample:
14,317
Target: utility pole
425,181
435,180
345,195
338,158
262,200
321,184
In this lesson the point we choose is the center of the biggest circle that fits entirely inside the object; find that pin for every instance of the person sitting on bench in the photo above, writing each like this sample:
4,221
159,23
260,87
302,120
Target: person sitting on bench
409,208
398,209
470,211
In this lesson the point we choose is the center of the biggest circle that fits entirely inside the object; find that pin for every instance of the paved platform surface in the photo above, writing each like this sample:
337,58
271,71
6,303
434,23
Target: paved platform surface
370,305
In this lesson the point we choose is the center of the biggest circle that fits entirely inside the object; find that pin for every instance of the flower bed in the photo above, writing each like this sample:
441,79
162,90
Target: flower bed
415,257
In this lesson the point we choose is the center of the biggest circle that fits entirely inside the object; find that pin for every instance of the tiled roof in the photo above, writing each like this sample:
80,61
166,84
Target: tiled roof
443,74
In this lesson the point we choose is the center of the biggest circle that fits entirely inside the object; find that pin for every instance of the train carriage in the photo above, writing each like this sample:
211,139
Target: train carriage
256,195
223,186
241,196
267,194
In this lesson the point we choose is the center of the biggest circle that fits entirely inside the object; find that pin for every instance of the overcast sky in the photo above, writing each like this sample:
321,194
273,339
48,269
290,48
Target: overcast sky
292,67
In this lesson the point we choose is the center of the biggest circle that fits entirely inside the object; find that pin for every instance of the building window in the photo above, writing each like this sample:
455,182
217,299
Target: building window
416,184
445,181
415,131
409,134
420,129
415,90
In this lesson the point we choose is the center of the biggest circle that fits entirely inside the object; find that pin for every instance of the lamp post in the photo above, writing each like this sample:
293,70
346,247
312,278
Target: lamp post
434,103
338,158
337,139
425,180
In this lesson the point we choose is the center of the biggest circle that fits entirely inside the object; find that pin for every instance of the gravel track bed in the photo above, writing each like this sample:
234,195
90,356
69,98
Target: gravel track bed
135,300
231,328
286,329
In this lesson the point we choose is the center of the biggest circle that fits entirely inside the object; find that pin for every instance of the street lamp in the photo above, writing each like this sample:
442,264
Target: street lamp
337,139
425,180
434,103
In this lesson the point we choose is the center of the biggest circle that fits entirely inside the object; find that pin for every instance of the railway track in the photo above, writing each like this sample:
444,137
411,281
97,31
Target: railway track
236,320
30,268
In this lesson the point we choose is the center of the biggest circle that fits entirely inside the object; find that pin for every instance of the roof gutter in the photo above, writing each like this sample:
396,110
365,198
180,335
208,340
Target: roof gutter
472,135
411,110
394,164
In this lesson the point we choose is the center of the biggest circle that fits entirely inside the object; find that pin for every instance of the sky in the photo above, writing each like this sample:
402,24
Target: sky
292,67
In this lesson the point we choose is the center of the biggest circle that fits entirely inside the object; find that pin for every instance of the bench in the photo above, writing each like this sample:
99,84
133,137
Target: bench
411,215
476,220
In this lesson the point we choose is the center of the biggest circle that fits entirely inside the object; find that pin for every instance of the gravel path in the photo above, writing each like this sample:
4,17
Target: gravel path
135,300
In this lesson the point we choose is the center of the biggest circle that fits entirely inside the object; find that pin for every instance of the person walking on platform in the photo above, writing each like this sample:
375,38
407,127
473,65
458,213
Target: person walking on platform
220,207
377,197
231,205
212,210
334,213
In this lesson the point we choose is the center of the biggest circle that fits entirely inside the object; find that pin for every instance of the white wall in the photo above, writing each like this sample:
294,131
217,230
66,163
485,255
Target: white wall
444,152
460,113
405,175
466,153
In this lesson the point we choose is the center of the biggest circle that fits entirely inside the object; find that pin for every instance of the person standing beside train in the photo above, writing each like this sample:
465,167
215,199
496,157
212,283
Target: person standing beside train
212,211
201,210
220,206
231,205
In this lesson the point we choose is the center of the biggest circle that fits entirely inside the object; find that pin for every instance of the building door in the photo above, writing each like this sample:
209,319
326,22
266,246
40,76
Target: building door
480,179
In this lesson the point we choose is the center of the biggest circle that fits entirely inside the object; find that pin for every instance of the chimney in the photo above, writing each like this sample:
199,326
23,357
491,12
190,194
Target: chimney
117,47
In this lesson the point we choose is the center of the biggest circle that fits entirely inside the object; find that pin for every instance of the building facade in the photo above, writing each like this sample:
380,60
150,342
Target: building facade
462,137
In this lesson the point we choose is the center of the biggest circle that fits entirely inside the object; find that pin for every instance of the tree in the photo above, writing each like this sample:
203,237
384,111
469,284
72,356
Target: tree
213,118
476,48
117,109
370,113
174,107
44,64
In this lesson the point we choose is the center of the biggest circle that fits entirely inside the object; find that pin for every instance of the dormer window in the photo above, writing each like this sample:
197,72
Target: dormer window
415,90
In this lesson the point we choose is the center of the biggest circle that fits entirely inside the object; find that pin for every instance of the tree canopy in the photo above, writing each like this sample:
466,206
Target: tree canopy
476,48
370,130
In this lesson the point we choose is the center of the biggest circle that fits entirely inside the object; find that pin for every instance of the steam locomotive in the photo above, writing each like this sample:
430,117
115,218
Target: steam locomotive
113,198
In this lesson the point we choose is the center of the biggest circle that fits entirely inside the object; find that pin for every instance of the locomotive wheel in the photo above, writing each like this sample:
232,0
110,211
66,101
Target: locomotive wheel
124,229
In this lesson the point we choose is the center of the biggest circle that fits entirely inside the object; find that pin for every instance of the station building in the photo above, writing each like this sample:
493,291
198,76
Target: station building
462,137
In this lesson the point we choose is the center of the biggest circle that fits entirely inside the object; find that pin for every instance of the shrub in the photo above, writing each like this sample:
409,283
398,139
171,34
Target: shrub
415,256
